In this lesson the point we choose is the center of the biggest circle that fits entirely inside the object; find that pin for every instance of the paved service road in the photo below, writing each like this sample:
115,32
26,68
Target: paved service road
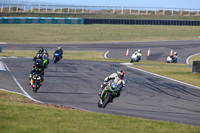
76,83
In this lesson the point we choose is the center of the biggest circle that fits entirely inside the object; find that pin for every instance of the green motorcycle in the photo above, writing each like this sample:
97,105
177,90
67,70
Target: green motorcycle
107,94
45,61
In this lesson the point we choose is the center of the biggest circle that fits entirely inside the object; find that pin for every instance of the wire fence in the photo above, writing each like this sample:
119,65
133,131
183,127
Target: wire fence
78,9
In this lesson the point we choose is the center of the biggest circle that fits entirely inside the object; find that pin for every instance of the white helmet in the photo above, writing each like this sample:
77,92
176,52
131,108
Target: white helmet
139,50
59,47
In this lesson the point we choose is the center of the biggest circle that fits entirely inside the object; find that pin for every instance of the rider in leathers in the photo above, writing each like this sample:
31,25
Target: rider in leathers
118,79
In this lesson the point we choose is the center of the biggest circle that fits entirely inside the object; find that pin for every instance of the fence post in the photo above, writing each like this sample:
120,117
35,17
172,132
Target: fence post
2,8
31,8
39,9
130,12
82,9
164,11
68,8
10,8
61,9
138,10
46,8
155,11
181,12
75,10
172,12
189,13
122,12
54,8
113,9
147,11
90,9
197,12
17,8
24,8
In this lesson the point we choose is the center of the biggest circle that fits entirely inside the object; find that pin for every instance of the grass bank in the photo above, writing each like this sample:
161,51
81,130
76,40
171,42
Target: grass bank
57,33
19,114
194,58
90,15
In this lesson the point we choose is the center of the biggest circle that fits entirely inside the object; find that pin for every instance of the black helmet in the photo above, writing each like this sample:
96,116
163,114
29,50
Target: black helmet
38,63
120,74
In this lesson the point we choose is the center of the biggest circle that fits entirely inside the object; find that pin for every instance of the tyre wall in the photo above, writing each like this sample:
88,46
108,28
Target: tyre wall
40,20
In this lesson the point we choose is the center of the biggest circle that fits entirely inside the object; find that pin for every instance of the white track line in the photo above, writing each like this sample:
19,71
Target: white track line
13,92
22,89
187,60
105,55
164,77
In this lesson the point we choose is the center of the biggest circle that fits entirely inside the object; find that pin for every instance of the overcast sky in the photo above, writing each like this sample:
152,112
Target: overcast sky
133,3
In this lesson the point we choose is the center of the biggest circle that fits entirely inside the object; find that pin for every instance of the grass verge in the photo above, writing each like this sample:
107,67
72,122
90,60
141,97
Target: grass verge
194,58
89,15
57,33
19,114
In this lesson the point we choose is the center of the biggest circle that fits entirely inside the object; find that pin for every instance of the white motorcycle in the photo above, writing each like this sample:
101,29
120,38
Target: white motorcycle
170,59
136,57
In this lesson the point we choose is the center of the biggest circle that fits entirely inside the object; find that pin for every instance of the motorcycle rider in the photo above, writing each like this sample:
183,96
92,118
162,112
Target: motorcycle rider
118,78
175,57
37,67
59,51
37,57
138,53
41,51
45,55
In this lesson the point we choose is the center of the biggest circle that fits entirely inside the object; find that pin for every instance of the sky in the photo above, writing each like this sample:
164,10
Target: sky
133,3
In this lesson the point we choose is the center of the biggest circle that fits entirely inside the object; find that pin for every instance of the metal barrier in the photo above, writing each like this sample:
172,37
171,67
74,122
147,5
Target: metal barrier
142,22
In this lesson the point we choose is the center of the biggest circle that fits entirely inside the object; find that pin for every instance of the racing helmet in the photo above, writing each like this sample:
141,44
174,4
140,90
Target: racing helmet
42,49
37,63
120,74
37,55
139,50
59,48
45,51
175,53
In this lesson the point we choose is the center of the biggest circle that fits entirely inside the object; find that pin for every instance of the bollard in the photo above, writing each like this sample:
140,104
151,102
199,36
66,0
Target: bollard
196,67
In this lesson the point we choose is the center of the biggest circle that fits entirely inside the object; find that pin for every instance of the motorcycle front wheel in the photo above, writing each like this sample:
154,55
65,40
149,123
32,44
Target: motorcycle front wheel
106,99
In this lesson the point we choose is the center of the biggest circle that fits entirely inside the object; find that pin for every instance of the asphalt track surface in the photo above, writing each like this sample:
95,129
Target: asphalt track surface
76,83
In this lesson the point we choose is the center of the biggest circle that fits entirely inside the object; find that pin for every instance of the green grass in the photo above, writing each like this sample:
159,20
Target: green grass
175,17
194,58
72,55
18,115
56,33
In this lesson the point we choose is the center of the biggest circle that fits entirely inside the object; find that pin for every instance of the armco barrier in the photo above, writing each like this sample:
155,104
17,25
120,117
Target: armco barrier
141,22
40,20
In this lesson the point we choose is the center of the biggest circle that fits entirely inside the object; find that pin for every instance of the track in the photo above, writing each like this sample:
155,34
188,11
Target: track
76,83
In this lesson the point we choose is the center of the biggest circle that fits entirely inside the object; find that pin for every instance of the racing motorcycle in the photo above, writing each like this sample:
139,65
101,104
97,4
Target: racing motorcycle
56,56
170,59
136,57
35,81
45,61
107,94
